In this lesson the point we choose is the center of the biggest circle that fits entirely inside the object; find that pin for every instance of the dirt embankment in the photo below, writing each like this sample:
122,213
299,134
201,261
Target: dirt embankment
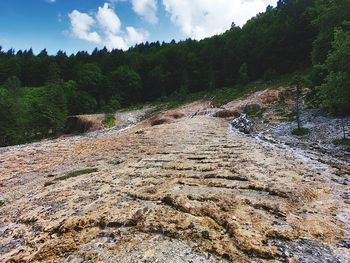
187,190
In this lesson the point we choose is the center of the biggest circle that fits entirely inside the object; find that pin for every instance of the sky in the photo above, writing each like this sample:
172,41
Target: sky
74,25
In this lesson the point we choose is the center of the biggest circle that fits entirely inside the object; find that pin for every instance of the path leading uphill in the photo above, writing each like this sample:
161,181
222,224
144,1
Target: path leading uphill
187,191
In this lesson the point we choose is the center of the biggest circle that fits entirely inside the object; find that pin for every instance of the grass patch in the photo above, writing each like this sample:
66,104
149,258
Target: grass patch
138,106
48,183
255,112
343,142
221,95
301,131
109,121
76,173
289,116
2,203
286,115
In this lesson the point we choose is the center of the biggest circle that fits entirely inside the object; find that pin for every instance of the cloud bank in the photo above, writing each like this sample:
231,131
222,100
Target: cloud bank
146,9
203,18
196,19
107,29
81,24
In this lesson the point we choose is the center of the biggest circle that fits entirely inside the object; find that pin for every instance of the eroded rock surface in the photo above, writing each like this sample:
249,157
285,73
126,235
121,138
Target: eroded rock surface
187,191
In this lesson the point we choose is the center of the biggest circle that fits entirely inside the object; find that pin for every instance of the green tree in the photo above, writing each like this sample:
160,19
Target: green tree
328,15
54,73
243,77
335,92
10,130
296,84
12,84
89,78
125,83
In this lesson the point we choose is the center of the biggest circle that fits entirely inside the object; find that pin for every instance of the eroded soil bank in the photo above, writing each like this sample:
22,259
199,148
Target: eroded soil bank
189,190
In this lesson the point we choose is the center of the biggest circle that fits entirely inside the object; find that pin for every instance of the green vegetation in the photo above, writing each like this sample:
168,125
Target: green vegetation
330,74
286,115
343,142
2,203
76,173
48,183
301,131
109,121
39,92
223,95
255,112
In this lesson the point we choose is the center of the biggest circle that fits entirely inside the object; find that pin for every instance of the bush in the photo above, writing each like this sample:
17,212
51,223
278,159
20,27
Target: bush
301,132
109,121
345,142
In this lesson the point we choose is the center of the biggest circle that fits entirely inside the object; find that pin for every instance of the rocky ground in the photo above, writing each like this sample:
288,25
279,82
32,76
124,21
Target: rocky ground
189,190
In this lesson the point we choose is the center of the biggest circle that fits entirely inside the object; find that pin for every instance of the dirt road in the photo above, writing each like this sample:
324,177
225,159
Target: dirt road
189,191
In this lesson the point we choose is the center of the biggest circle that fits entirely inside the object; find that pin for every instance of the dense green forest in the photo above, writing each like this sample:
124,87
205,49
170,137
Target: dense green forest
38,92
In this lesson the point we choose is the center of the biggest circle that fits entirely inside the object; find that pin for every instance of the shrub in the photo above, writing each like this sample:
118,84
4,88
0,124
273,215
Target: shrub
109,121
343,141
300,131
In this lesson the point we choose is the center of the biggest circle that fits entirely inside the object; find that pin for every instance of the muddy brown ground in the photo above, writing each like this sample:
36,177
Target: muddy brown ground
188,191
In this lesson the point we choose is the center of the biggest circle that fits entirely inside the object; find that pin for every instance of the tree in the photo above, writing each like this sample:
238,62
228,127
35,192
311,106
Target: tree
335,91
54,73
297,85
12,84
243,74
298,94
78,102
10,131
125,83
89,78
328,15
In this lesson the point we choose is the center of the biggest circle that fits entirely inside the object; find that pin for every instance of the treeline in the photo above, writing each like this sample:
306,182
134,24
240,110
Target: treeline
294,35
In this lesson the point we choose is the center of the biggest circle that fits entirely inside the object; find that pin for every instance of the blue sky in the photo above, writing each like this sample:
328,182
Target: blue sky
73,25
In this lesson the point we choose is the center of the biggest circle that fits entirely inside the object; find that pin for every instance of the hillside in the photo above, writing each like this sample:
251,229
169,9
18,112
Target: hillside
310,39
180,186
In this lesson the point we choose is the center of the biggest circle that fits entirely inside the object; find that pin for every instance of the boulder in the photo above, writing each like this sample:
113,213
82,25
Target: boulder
243,124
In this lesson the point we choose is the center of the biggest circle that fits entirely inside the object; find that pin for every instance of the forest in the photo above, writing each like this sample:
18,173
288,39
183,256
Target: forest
39,91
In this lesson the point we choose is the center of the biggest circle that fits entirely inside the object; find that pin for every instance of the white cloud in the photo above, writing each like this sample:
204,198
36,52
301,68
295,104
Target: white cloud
114,41
109,25
108,19
81,24
135,36
203,18
130,38
146,9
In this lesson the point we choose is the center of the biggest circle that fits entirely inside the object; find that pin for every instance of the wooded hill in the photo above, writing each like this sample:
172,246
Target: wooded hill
38,92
